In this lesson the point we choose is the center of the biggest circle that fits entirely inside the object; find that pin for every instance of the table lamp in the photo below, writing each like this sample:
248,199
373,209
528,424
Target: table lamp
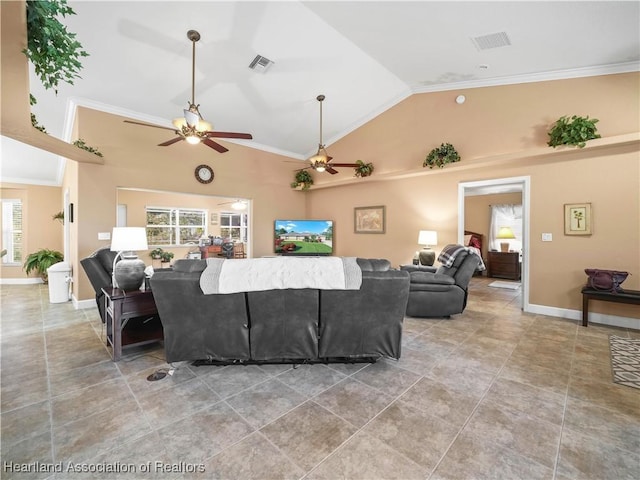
128,273
505,233
429,239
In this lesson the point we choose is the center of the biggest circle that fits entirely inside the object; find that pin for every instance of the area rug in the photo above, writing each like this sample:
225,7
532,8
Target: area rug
508,285
625,361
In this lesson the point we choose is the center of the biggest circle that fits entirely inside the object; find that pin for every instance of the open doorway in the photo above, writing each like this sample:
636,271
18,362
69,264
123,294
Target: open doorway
491,187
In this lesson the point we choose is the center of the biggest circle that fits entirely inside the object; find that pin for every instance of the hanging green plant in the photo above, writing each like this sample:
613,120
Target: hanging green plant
440,156
573,131
302,178
363,169
80,144
52,49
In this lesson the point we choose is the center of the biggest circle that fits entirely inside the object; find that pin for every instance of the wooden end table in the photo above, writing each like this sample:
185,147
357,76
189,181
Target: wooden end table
131,319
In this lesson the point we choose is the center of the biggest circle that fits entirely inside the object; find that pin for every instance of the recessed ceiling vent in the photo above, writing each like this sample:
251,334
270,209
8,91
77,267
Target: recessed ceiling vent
492,40
260,64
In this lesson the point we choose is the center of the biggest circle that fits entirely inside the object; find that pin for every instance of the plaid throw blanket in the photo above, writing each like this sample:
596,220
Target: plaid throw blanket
449,253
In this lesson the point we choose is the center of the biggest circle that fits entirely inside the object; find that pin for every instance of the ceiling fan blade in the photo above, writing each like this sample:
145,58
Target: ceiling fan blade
344,164
149,125
170,142
214,145
331,170
246,136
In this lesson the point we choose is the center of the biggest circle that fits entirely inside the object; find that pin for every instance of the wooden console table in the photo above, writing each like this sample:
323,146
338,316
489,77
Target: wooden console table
625,296
131,319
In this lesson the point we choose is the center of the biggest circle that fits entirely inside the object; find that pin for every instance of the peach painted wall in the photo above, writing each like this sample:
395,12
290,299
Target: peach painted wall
132,160
500,133
40,231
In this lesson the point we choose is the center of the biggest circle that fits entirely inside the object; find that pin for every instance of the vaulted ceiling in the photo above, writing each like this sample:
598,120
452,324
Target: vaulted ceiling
364,56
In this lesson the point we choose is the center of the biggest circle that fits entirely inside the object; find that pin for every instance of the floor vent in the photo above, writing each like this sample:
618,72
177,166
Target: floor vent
260,64
492,40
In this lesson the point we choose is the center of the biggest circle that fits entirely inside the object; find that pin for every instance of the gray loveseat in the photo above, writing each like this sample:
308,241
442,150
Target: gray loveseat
287,325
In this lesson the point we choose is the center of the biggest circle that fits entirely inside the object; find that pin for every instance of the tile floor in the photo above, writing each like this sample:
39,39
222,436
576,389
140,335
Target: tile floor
489,394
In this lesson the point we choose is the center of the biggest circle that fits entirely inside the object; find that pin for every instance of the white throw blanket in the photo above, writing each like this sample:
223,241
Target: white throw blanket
273,273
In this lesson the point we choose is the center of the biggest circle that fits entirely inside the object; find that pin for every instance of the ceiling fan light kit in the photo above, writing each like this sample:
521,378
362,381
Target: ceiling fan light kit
321,161
192,127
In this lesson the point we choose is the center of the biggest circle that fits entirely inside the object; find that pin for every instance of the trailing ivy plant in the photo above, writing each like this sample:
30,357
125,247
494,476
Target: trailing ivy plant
80,144
363,169
53,50
303,178
441,155
34,120
573,131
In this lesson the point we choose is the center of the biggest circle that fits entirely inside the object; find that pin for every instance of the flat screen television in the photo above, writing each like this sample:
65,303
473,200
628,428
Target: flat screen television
303,237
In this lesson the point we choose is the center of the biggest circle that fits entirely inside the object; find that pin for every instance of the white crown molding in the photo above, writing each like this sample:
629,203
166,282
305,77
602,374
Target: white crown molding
533,77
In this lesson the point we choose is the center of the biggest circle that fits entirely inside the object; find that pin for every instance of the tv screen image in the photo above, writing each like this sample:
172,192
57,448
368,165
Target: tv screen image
304,237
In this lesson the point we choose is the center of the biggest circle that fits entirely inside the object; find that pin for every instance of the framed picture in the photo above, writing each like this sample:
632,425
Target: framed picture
369,219
214,219
577,219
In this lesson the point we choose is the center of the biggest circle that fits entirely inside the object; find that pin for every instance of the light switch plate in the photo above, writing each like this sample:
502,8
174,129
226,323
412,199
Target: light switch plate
547,237
104,235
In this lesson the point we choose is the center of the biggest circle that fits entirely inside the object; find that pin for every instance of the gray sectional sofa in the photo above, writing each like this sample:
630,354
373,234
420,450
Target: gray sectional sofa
281,325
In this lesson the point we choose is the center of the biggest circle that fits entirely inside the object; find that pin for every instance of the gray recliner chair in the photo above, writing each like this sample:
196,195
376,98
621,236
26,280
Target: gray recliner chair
442,291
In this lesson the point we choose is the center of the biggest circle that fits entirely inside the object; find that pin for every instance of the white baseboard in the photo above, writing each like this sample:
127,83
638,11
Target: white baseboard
81,304
20,281
600,318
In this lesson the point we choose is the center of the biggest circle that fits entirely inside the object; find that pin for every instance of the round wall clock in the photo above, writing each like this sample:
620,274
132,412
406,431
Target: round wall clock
204,174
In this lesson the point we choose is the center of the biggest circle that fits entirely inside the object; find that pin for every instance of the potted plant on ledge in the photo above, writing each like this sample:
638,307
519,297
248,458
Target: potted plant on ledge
303,180
363,169
573,131
441,155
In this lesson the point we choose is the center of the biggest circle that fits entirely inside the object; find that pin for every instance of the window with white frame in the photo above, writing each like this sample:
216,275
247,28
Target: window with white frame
233,226
506,216
175,226
12,231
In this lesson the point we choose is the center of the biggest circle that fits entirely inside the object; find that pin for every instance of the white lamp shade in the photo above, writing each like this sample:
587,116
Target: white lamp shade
505,233
427,237
129,239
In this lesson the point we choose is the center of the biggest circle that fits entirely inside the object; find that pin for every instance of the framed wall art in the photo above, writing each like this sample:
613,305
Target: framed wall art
577,219
369,219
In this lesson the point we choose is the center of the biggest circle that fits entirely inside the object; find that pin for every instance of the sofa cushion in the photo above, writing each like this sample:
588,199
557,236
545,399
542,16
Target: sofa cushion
188,265
431,278
105,256
373,264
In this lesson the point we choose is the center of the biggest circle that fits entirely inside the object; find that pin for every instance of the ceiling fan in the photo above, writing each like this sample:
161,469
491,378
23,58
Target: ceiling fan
192,127
321,162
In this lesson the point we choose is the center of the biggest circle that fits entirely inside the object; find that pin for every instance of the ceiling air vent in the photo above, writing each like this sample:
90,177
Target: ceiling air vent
260,64
492,40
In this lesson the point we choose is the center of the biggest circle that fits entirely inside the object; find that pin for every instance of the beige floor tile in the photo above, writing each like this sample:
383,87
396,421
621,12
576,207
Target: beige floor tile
254,458
308,434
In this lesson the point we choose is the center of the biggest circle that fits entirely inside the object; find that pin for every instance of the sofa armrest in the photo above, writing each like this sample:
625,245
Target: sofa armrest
432,278
418,268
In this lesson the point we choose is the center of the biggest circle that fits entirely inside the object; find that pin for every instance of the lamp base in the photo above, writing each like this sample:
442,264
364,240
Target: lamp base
427,257
129,273
504,247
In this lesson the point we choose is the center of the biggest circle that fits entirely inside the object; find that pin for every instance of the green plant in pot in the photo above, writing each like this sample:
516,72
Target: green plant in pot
573,131
166,257
363,169
440,156
302,178
59,216
156,254
40,261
